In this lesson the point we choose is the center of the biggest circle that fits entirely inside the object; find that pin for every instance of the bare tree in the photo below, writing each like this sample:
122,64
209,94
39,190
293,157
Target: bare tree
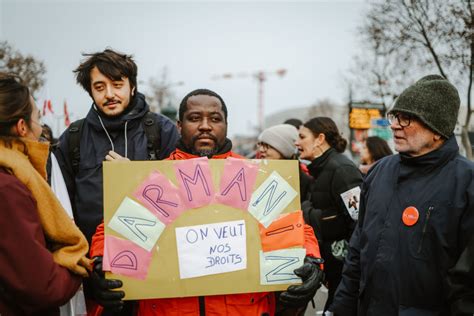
408,37
328,108
159,93
31,70
376,77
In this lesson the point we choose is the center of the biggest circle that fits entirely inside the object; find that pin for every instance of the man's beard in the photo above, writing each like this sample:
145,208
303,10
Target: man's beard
207,152
126,109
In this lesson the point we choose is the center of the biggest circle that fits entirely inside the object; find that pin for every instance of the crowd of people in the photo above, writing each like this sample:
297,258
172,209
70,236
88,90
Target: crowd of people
394,236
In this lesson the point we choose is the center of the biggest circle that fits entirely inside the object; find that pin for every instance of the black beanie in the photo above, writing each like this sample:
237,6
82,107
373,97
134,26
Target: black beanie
434,100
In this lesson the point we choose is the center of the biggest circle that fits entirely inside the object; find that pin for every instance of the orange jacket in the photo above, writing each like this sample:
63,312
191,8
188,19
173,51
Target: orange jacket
230,304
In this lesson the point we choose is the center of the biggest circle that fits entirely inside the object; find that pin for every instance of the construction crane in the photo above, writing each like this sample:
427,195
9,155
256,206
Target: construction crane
261,76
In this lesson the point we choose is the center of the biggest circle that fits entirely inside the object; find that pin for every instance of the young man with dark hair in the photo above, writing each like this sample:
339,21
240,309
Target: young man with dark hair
119,125
203,127
113,129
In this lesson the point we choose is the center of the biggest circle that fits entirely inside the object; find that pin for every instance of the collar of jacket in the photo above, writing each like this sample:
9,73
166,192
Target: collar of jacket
182,153
425,164
34,151
226,147
318,163
133,113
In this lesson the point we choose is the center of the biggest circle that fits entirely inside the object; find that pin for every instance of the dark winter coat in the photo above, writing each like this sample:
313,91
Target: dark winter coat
305,184
393,268
85,188
333,174
31,283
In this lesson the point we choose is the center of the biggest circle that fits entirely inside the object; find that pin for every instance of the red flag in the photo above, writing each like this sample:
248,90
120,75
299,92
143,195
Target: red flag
45,104
67,121
47,107
50,106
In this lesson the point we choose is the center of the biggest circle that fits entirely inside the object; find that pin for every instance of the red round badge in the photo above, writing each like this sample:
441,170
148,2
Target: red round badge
410,216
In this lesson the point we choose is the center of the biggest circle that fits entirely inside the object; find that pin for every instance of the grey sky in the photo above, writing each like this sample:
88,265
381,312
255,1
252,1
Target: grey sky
314,41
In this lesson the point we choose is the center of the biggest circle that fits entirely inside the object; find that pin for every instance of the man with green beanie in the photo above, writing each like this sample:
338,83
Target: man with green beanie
416,219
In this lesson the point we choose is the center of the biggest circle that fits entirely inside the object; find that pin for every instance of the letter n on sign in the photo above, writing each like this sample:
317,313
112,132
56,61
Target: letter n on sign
271,198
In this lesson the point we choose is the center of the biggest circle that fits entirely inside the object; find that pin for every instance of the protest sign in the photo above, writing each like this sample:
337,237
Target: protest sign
201,227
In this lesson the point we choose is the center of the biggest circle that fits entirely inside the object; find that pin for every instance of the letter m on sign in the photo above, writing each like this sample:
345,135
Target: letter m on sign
188,181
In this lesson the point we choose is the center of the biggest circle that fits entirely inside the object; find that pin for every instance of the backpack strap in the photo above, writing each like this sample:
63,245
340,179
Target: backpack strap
153,135
74,144
152,131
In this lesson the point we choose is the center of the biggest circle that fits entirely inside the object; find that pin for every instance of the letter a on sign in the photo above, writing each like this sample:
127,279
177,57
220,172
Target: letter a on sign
271,198
237,181
195,181
136,223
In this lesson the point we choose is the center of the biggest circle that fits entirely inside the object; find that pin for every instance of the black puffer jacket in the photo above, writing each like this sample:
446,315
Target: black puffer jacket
392,268
85,188
333,174
305,185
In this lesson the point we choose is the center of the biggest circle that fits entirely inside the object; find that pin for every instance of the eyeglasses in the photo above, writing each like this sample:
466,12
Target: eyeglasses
263,146
403,119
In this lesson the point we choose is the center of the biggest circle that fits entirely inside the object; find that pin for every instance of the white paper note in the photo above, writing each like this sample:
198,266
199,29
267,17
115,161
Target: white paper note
351,199
211,248
271,198
276,267
136,223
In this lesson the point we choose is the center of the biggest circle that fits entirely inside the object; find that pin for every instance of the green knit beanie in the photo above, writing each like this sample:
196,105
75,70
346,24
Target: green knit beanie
433,100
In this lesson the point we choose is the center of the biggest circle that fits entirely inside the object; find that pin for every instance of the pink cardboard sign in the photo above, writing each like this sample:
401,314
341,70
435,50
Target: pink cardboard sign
237,181
195,182
161,197
123,257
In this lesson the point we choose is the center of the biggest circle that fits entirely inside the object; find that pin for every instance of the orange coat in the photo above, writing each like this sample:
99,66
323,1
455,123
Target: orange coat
230,304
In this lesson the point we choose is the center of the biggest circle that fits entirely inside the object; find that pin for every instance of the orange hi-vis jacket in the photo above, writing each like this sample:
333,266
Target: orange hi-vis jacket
248,304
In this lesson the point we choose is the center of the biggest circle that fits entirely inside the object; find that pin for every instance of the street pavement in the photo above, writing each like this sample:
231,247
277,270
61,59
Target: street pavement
319,301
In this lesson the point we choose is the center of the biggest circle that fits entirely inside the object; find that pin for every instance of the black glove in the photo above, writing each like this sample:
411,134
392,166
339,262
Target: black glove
312,276
101,289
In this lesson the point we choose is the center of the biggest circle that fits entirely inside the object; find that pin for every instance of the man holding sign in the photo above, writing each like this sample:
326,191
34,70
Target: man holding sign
203,127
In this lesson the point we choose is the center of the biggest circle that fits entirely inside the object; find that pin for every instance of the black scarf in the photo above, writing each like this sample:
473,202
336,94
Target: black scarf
425,164
226,147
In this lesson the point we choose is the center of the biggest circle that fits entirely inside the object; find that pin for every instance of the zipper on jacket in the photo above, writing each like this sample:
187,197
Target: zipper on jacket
427,219
202,306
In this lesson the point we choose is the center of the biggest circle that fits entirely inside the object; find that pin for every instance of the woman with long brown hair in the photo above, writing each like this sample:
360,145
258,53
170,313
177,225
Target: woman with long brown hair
42,252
